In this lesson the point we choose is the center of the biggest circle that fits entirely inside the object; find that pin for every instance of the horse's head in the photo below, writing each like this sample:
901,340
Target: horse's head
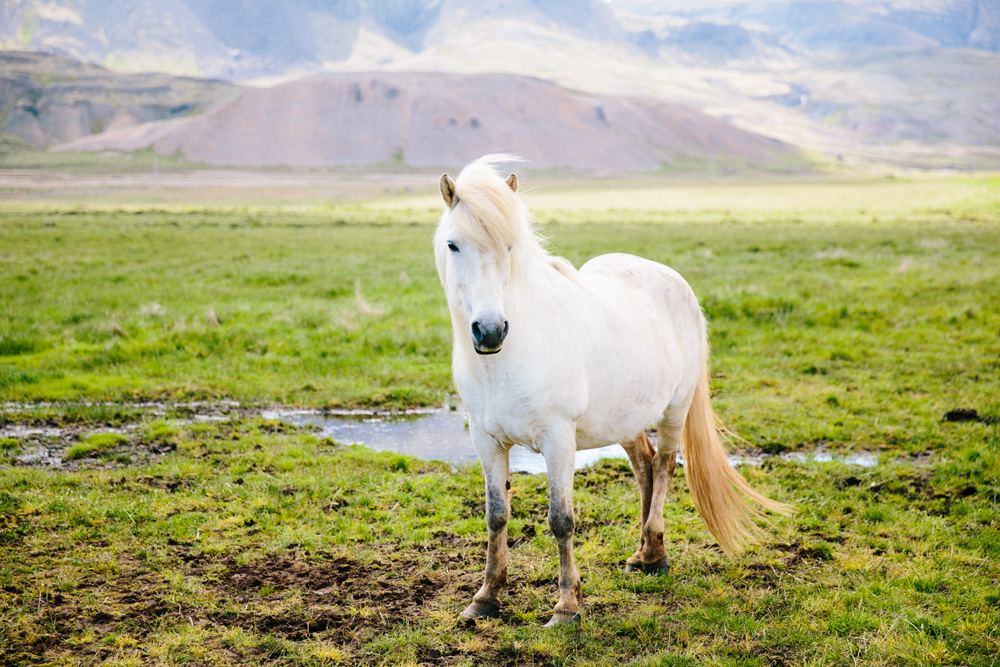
475,243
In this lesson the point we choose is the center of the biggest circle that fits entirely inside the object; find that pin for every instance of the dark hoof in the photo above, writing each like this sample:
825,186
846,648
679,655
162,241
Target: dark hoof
560,618
661,568
481,609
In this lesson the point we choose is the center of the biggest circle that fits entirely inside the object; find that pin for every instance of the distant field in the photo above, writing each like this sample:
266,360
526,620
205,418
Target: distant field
845,315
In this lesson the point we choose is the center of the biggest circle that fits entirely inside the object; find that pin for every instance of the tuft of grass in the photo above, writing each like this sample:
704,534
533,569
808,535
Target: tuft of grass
94,444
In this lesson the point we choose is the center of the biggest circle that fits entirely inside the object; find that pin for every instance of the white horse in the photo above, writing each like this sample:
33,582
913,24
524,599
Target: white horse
557,360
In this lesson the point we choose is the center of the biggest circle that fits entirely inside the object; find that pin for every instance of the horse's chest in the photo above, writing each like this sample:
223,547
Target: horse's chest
506,407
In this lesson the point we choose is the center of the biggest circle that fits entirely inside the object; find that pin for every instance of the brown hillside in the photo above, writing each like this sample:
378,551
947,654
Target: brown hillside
440,119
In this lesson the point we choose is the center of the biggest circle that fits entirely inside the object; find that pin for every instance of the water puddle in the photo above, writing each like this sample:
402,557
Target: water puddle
863,459
426,433
442,435
438,435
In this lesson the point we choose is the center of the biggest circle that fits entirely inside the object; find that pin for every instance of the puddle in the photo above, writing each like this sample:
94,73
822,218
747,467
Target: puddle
863,459
424,433
442,435
435,435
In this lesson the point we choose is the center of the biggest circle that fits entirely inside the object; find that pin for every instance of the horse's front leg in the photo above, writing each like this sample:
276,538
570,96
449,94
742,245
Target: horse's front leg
496,472
560,458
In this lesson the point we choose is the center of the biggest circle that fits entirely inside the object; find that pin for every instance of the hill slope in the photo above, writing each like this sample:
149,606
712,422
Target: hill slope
436,119
47,99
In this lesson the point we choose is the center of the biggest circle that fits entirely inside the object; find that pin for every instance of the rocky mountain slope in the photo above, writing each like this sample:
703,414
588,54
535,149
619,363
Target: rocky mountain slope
843,26
48,100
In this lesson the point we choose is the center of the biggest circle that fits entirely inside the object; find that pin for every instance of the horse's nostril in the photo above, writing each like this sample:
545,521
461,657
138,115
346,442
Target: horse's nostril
506,328
477,332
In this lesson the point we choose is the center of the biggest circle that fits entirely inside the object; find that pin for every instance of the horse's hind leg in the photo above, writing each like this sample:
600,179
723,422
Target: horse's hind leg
652,557
640,454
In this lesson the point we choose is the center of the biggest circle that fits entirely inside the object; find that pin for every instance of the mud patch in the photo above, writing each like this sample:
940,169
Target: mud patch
47,447
98,606
797,553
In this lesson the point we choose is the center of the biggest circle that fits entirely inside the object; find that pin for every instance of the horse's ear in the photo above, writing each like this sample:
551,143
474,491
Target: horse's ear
512,182
448,190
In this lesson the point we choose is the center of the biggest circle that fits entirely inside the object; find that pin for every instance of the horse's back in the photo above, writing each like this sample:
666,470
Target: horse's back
618,274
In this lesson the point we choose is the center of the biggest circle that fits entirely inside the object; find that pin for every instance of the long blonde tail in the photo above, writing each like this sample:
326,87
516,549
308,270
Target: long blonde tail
720,493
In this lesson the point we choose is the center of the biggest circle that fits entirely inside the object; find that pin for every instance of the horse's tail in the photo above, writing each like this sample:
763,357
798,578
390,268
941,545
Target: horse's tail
720,493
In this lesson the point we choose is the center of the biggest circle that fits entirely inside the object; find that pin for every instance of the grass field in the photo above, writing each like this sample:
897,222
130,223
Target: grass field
845,315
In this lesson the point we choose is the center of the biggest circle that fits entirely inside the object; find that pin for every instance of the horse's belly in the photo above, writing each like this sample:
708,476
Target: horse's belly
647,353
618,411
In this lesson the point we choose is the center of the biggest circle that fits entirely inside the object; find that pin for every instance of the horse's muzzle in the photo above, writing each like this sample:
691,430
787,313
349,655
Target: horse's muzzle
487,337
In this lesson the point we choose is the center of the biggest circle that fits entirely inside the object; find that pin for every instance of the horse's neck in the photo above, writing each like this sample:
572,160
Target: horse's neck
542,276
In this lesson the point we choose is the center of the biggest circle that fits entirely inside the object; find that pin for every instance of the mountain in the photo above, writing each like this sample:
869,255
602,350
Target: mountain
911,82
243,39
841,26
440,119
48,100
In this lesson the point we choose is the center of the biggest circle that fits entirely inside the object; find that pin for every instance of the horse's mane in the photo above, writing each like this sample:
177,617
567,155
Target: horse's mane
487,211
492,216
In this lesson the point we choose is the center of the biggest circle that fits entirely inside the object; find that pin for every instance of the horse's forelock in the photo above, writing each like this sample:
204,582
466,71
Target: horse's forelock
488,212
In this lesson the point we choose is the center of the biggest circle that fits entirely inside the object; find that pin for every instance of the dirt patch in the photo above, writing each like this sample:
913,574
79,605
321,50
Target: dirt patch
136,601
341,595
291,596
919,491
796,553
47,449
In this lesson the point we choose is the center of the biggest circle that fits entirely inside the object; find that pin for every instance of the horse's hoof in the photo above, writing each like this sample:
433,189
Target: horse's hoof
560,618
661,568
481,609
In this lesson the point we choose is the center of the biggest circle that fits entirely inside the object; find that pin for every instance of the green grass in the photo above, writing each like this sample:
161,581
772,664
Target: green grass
93,444
257,306
15,154
843,316
255,545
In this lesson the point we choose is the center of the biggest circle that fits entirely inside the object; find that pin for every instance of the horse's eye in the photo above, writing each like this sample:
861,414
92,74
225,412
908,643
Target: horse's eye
452,246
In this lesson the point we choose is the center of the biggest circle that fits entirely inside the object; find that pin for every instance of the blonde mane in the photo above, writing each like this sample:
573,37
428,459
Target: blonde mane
492,216
488,212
